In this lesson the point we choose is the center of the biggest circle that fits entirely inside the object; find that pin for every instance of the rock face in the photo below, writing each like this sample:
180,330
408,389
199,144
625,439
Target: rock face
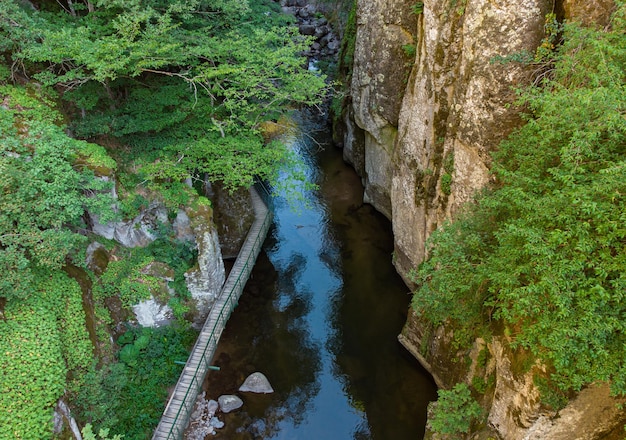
517,412
136,232
193,224
589,13
419,131
206,279
455,110
593,414
233,217
385,37
151,313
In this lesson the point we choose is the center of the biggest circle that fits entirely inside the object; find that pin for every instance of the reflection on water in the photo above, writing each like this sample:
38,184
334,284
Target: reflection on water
320,318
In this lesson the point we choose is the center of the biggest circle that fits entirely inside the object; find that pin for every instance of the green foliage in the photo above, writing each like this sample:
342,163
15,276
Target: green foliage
146,368
480,384
544,252
124,278
345,64
42,338
409,50
64,295
130,279
17,28
552,29
448,162
446,177
33,370
418,8
186,74
44,190
452,283
179,308
348,44
551,395
455,411
250,157
458,6
132,204
161,104
446,184
103,434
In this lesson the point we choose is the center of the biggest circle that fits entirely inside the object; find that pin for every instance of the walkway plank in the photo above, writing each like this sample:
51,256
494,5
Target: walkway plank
178,409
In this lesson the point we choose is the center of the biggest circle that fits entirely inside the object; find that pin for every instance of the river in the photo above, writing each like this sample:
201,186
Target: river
320,318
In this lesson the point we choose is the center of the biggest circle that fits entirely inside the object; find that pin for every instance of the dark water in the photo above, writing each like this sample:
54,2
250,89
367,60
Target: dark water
320,318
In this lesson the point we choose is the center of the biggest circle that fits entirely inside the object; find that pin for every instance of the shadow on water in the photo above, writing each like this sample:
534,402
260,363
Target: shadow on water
320,318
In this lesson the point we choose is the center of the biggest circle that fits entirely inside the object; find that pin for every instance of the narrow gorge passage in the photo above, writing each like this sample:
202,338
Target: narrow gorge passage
320,318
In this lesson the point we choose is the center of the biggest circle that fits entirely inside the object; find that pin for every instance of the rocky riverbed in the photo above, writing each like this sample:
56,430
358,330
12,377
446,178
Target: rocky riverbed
312,23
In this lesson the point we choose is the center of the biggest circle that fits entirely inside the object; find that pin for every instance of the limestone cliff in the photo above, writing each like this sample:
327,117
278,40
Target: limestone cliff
427,152
385,36
419,131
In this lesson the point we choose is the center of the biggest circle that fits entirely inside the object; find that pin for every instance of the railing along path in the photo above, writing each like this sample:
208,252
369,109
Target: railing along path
178,410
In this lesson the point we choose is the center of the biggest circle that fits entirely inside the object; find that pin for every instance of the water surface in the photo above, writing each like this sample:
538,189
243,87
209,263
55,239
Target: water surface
320,318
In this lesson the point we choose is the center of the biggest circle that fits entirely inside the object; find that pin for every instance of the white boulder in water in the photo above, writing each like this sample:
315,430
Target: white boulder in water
229,403
256,383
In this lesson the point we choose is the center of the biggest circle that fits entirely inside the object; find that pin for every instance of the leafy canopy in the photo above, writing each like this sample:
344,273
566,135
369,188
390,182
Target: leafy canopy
47,183
177,78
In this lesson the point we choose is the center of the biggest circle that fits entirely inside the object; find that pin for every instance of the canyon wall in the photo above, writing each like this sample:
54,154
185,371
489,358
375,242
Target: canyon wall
429,122
428,103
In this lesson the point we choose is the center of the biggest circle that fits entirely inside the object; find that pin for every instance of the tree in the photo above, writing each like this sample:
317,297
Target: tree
178,74
47,183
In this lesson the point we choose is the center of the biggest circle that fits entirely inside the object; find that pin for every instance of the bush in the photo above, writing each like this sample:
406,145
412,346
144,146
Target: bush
455,411
149,362
42,339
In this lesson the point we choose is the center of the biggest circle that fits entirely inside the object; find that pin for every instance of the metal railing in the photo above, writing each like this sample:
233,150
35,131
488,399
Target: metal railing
233,287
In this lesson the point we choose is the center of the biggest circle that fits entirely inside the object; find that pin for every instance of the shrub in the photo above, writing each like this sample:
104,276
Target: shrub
455,411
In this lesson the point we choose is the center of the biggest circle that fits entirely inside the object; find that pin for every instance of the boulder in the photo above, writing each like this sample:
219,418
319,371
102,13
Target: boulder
150,313
216,423
205,279
137,232
229,402
256,383
182,227
202,421
307,29
97,258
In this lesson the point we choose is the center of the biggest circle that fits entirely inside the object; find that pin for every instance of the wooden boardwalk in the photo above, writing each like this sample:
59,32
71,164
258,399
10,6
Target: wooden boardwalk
178,410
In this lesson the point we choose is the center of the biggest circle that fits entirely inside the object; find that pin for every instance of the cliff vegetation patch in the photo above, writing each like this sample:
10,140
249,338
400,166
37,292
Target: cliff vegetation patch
540,256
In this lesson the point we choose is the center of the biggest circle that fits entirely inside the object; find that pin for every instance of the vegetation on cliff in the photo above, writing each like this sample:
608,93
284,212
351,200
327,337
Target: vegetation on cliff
541,255
164,91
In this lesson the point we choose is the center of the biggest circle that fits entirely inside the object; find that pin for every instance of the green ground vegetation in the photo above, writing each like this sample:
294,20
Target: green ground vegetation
150,93
541,255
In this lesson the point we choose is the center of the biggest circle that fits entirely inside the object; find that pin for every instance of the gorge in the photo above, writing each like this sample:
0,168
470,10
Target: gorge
489,134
